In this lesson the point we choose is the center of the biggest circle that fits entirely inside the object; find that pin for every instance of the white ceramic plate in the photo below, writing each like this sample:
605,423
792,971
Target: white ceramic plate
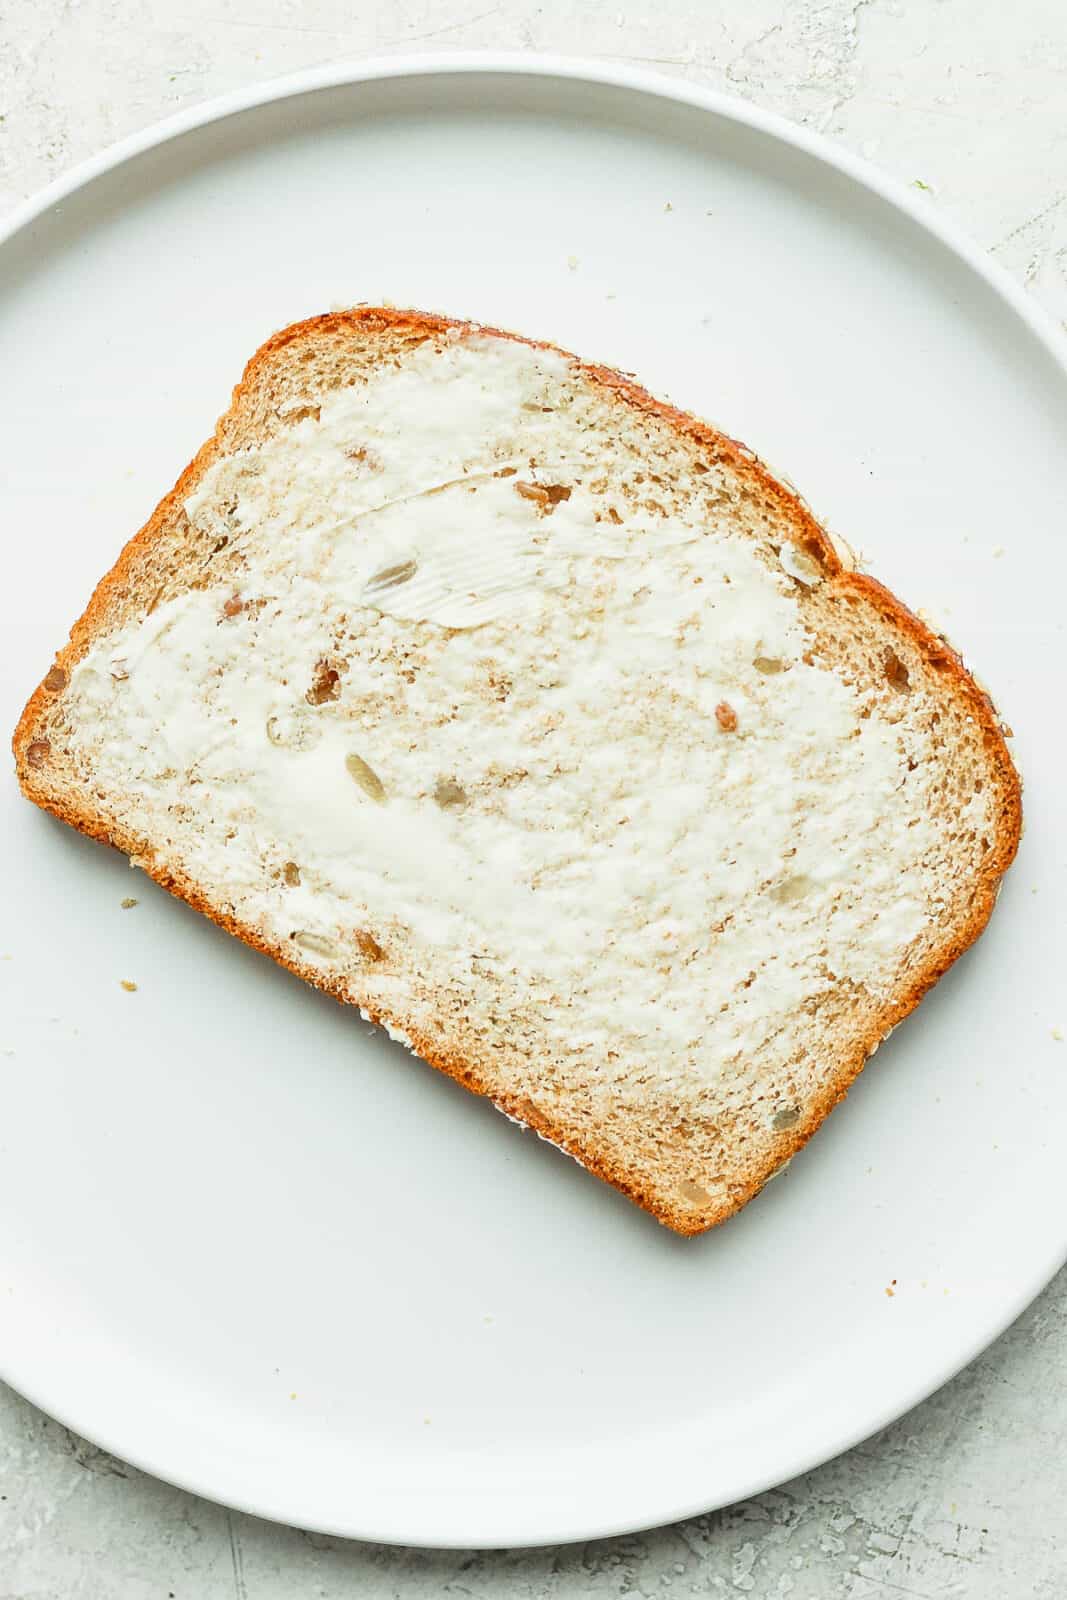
245,1241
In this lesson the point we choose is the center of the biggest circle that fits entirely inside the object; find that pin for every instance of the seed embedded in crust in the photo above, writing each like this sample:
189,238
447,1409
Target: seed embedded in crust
693,1194
56,680
787,1118
790,890
369,946
800,564
390,578
367,778
317,942
38,752
546,496
448,793
726,717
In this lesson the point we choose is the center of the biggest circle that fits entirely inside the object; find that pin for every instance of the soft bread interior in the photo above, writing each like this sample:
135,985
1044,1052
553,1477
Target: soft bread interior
541,728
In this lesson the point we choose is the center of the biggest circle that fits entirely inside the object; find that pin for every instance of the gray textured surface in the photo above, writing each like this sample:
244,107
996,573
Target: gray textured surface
963,1497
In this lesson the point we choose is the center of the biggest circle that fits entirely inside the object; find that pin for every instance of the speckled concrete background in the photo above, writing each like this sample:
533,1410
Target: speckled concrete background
964,1497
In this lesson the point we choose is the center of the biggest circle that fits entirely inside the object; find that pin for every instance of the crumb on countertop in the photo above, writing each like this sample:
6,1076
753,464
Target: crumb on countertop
891,1289
128,984
998,550
572,262
1057,1033
128,902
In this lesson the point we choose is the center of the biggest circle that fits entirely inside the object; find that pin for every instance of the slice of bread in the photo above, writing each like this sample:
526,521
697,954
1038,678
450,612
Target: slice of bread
536,719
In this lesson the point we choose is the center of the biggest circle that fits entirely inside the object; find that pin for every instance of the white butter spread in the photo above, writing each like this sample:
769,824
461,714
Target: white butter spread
502,620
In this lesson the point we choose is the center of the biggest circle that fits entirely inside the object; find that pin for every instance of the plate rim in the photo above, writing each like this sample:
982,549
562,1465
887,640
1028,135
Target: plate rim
606,72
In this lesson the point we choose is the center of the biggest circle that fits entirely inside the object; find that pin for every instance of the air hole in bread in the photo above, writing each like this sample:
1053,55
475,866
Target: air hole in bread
301,413
290,730
325,686
896,673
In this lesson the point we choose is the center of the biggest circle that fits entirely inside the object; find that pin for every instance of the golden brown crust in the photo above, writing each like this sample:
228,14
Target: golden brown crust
807,533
